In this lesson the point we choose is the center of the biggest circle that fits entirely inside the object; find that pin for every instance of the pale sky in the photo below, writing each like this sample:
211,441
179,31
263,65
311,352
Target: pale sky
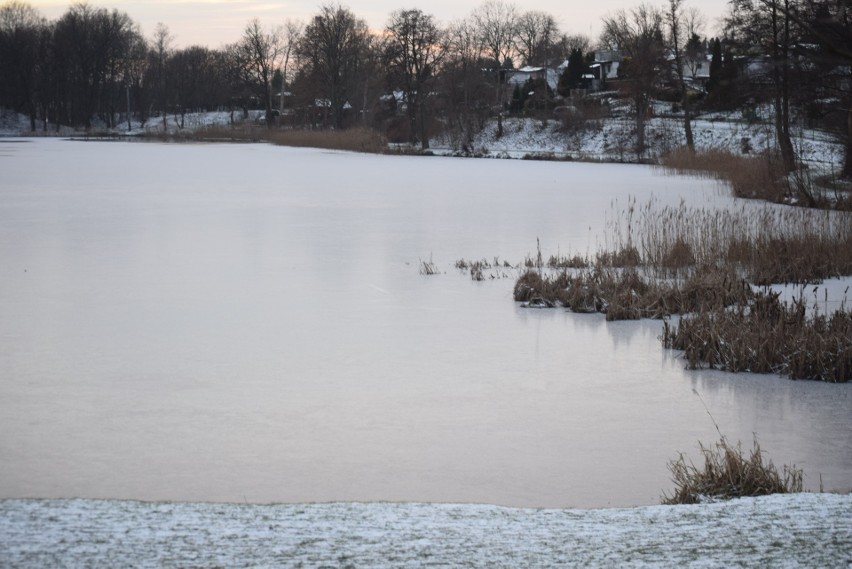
214,23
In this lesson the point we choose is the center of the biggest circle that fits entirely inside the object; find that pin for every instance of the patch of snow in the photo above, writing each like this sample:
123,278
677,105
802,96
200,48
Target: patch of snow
825,298
786,531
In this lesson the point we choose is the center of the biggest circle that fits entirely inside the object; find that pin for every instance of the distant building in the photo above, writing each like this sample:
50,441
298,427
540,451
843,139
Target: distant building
524,74
605,67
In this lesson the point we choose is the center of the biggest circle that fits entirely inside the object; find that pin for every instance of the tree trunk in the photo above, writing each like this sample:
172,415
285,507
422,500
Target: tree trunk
687,119
413,107
687,129
424,128
782,133
641,111
847,165
781,79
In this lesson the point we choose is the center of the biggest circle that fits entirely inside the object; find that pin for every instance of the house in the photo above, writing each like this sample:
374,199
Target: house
605,67
524,74
696,70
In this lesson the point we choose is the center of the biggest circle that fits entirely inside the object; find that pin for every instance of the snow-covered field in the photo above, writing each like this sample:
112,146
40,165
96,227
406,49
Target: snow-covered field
804,530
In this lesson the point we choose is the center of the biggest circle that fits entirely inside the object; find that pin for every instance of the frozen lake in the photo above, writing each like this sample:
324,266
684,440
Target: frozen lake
248,323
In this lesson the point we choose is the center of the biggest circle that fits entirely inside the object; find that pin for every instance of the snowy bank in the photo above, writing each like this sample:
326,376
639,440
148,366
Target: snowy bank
614,139
803,530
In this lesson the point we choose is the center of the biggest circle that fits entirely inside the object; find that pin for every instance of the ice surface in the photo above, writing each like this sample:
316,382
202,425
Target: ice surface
203,322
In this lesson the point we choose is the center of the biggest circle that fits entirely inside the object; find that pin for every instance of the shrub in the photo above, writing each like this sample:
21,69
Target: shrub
727,474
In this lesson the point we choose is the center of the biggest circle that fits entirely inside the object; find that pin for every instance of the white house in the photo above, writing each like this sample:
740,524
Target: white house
524,74
605,67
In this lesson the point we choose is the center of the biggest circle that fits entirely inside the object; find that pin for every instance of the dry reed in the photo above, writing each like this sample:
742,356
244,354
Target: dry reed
768,244
760,176
704,263
767,336
728,473
353,139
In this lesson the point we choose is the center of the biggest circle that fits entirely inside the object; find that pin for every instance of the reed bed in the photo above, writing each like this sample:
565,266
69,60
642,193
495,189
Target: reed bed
767,336
627,294
479,269
354,139
729,473
750,176
759,176
768,244
704,264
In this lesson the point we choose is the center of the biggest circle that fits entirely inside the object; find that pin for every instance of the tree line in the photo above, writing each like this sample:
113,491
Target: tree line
416,75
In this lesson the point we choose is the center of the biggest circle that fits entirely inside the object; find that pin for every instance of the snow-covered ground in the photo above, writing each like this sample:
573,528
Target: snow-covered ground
16,124
612,141
804,530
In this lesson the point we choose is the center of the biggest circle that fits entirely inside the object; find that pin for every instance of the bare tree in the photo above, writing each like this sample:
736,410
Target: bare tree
677,25
160,51
496,22
756,25
828,22
695,48
639,35
21,26
568,44
290,40
191,72
464,84
413,51
135,60
89,49
258,54
535,33
332,49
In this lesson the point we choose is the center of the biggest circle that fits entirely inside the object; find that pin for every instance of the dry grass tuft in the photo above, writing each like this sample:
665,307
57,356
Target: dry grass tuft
727,474
428,268
534,288
478,269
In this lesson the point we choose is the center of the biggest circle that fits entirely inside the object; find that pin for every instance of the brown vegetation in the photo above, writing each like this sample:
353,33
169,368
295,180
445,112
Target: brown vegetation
353,139
766,244
705,264
760,176
728,473
766,335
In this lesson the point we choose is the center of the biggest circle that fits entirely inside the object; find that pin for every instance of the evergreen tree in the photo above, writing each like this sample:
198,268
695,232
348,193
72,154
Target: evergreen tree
728,94
715,70
572,77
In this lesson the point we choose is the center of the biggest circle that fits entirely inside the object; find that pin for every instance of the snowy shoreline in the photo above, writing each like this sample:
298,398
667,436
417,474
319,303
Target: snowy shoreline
800,530
523,137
